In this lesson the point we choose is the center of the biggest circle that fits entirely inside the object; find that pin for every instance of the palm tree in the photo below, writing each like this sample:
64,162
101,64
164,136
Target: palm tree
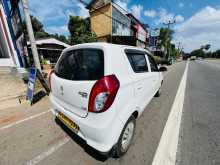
166,37
206,47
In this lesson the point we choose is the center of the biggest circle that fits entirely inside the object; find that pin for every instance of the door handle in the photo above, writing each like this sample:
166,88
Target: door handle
139,88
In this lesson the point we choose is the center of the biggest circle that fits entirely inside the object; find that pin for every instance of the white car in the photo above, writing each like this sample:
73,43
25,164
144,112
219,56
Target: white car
98,90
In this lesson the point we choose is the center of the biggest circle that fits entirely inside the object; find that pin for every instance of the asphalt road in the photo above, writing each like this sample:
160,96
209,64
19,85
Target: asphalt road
27,138
199,142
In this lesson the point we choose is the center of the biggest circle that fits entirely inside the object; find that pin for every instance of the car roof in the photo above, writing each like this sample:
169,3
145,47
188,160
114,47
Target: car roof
103,45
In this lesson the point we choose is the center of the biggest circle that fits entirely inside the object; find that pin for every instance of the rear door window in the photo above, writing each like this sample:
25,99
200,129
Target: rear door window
81,64
138,62
153,64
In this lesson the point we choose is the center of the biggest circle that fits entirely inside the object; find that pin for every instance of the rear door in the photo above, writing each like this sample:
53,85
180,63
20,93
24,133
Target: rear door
155,74
140,77
75,74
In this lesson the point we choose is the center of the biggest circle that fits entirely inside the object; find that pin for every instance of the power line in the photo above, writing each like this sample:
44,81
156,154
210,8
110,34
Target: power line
170,22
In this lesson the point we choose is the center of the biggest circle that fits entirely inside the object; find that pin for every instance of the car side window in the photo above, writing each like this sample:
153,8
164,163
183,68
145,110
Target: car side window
138,62
153,64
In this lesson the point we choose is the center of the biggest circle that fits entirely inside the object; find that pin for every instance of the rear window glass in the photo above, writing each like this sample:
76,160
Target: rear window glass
81,64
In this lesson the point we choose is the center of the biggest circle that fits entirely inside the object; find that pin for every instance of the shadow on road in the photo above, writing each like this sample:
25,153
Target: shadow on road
89,150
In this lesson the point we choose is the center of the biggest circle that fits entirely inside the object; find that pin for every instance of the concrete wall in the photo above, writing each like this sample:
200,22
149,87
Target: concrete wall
101,24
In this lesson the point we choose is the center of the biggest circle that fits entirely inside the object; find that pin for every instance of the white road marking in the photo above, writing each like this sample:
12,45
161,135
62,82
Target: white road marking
167,148
24,120
45,154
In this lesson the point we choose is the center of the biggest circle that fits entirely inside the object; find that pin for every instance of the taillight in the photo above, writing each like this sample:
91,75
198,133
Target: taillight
103,93
51,72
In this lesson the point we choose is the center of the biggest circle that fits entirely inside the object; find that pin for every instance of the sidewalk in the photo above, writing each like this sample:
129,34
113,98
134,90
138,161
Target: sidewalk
12,88
14,114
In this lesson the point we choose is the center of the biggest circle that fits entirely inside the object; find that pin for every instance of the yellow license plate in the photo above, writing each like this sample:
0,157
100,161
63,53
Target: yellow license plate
69,123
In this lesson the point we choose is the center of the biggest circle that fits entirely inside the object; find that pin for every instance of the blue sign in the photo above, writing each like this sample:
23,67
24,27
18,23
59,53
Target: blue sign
31,84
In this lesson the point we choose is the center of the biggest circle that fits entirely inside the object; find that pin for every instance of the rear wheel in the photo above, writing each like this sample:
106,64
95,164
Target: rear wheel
125,138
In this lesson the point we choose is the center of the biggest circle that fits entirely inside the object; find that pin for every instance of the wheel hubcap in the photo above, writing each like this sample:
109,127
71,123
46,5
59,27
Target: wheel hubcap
127,136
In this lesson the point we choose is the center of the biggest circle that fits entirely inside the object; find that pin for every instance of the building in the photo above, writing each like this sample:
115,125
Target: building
101,14
8,54
13,43
154,43
49,49
113,24
138,31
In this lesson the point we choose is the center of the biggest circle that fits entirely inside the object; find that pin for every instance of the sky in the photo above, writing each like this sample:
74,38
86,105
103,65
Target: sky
197,21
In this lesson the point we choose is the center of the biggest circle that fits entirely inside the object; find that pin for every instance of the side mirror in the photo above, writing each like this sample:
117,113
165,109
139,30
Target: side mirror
162,69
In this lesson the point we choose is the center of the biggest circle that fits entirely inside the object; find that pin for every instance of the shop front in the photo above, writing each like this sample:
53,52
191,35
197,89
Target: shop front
7,51
13,44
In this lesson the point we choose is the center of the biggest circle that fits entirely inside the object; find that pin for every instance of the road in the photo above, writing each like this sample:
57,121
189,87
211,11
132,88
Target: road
199,142
33,137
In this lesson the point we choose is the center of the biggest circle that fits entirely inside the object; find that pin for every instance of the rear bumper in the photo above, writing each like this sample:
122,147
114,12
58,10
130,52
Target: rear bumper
100,130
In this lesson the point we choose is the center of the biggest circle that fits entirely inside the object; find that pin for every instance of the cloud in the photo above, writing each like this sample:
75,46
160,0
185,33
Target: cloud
181,4
164,16
179,18
150,13
54,14
123,4
83,12
202,28
55,10
136,10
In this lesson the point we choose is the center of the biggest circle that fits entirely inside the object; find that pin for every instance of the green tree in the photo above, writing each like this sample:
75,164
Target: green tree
39,31
166,37
206,47
80,31
198,53
37,25
60,38
216,54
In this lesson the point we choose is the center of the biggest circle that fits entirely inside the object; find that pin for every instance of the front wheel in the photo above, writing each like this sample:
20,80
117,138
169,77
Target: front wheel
125,138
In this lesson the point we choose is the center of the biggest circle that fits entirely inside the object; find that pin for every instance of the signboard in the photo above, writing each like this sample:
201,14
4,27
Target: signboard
31,84
141,34
155,32
35,84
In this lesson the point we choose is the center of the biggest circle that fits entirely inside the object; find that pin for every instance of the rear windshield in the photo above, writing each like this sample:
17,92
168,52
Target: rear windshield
81,64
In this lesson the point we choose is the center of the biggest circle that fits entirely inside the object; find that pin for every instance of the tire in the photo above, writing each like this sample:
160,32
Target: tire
158,93
122,147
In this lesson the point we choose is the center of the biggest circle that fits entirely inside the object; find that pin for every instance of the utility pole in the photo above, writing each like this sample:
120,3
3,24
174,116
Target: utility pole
179,43
168,26
169,23
31,34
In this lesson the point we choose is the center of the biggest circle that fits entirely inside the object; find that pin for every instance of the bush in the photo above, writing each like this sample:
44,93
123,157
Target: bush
157,59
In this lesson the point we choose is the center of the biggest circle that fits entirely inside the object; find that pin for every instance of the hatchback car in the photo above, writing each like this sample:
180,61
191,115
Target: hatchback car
98,90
